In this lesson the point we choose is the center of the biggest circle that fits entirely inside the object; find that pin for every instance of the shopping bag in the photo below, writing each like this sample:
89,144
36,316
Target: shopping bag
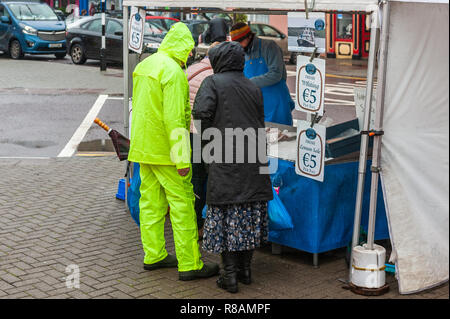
279,218
134,194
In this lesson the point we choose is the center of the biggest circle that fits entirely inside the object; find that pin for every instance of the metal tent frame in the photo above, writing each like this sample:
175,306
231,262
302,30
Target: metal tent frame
377,40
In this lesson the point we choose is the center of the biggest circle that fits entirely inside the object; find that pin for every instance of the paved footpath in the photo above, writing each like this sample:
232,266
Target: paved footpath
60,212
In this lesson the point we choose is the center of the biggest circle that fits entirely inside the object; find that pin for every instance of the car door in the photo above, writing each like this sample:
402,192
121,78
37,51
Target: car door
114,48
5,28
255,29
93,39
269,32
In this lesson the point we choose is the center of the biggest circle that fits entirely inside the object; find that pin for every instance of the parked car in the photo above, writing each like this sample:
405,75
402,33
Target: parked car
83,40
163,22
31,28
265,31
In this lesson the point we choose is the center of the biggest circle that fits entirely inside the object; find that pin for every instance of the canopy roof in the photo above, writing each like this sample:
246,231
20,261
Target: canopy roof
319,5
266,5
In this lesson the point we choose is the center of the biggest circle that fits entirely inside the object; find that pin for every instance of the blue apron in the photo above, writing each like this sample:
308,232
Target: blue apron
278,103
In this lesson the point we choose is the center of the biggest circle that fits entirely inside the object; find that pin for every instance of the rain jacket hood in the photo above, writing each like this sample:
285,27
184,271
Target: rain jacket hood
161,111
178,42
227,56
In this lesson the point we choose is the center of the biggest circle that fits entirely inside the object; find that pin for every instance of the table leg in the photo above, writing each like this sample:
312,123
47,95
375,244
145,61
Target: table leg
316,260
276,249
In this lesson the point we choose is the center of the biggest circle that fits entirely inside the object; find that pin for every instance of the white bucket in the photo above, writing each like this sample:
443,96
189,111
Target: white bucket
368,266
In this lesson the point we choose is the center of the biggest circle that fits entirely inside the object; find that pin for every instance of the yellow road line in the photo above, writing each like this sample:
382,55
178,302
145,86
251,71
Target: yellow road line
95,154
345,77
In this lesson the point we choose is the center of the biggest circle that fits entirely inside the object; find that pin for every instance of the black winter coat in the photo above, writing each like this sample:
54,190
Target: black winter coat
228,100
217,31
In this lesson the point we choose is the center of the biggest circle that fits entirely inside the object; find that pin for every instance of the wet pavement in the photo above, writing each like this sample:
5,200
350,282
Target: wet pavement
61,213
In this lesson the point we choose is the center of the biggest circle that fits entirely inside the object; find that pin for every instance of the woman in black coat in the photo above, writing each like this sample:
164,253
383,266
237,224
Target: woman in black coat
230,108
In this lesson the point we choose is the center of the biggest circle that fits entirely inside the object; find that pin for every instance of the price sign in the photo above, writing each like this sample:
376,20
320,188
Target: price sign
136,29
310,161
310,85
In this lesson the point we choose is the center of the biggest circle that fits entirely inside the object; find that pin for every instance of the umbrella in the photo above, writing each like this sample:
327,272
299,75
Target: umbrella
120,142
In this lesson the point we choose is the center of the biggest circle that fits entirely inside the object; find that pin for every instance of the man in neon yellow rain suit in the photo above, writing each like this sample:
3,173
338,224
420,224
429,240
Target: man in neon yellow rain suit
160,144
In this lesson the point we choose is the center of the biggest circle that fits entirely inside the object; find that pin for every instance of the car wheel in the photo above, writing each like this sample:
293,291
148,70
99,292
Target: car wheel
60,55
77,54
15,50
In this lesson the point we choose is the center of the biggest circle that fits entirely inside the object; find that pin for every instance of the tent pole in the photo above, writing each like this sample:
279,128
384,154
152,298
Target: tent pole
126,93
376,153
374,36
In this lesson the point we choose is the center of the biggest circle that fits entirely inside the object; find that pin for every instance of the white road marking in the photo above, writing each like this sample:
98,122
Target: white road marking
79,134
339,102
291,73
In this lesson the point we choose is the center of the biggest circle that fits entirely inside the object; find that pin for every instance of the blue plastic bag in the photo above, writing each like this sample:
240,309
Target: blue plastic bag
134,194
205,209
279,218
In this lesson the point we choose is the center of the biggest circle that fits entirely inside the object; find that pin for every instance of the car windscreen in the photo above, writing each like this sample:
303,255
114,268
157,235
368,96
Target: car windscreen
153,29
33,11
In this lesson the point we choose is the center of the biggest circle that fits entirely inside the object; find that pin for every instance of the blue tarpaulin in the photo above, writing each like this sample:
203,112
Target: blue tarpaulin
323,212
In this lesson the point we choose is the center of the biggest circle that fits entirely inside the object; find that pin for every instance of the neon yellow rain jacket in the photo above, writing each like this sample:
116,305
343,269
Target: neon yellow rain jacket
161,110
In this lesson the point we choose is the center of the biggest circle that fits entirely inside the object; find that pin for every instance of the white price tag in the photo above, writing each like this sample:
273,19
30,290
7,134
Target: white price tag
310,161
310,85
136,29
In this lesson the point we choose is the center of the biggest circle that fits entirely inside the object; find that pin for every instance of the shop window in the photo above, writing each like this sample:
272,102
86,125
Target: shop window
344,26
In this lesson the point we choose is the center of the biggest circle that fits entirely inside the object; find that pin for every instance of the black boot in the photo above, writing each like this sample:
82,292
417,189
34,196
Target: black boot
228,278
244,272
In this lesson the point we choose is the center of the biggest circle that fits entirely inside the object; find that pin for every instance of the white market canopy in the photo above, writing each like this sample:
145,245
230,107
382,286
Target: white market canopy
415,144
319,5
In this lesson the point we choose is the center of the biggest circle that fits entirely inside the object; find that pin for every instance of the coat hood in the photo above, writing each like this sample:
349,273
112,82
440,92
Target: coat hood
227,56
178,42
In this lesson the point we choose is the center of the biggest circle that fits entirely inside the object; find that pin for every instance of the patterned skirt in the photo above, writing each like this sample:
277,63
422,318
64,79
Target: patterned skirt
235,227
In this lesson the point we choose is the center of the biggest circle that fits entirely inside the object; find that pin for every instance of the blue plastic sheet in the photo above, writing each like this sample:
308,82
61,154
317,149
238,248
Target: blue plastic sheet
323,212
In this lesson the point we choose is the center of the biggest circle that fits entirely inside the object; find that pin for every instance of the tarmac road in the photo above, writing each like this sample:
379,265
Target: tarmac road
43,103
44,100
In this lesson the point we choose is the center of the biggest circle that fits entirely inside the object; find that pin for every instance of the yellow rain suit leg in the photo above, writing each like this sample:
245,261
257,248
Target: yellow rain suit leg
162,185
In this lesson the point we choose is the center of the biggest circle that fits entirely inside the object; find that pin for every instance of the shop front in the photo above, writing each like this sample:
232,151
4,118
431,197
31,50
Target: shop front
348,35
91,6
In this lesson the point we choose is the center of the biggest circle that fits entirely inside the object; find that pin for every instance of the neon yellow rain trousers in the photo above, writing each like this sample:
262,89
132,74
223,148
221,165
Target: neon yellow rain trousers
160,108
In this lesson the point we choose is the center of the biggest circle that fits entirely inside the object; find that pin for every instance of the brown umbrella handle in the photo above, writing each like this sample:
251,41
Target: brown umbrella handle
101,124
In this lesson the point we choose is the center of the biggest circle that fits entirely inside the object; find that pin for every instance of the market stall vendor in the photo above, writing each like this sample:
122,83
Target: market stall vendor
264,66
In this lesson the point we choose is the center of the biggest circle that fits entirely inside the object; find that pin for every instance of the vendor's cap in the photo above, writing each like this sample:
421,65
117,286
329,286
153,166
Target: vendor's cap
240,31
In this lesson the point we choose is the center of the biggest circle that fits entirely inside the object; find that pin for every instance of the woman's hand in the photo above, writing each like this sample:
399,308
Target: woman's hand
183,171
